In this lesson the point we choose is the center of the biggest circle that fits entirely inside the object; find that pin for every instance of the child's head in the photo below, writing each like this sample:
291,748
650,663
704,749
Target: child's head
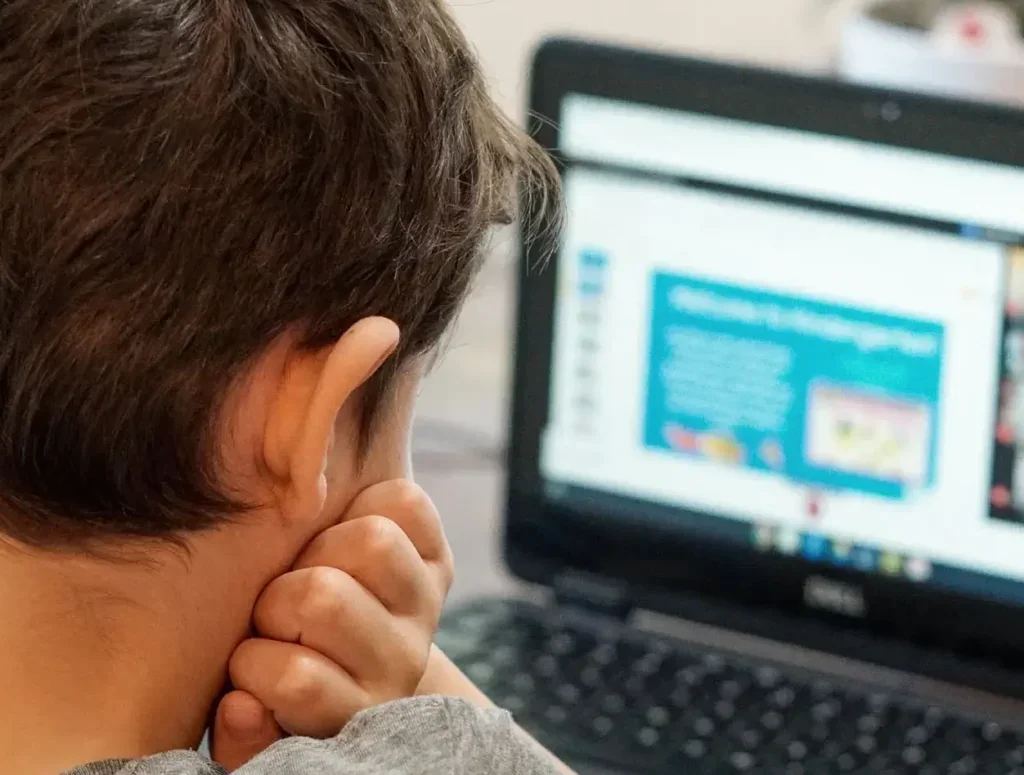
198,199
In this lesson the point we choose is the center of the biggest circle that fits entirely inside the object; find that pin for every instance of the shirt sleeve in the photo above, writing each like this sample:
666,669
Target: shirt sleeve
422,736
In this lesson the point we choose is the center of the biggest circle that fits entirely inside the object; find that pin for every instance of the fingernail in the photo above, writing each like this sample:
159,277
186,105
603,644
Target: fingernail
244,722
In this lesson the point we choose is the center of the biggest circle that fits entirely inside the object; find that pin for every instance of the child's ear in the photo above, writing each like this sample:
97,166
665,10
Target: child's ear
314,388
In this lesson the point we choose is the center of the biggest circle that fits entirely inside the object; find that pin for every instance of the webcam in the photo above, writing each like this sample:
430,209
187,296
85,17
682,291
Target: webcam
887,110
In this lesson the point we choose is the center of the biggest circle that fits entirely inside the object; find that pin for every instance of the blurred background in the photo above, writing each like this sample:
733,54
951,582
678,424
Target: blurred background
968,48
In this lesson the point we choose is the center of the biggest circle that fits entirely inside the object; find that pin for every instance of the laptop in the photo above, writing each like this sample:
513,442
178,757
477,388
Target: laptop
766,469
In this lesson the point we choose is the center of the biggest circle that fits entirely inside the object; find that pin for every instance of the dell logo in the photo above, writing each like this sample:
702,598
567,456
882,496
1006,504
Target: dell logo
834,596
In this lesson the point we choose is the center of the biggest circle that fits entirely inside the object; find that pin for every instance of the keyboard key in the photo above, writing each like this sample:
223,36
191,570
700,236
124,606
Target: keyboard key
773,721
648,737
556,715
690,676
480,672
695,749
991,732
704,727
968,765
591,677
524,683
783,698
918,735
730,690
504,656
613,704
714,663
725,710
751,739
561,644
569,694
658,717
797,750
602,726
475,623
635,686
513,703
604,655
681,697
866,744
826,711
878,702
546,666
869,725
913,756
767,677
742,761
846,762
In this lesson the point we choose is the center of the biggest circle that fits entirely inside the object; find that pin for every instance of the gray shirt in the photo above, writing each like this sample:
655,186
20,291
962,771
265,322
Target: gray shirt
422,736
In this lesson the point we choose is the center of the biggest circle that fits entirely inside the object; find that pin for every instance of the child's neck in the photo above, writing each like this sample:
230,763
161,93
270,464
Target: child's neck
107,661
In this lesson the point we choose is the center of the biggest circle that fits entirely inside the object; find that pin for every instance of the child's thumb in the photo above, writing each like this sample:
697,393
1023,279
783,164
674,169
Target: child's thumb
243,728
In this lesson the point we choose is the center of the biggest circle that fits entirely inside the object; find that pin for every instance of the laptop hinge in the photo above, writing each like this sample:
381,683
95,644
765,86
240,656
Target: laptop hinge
593,595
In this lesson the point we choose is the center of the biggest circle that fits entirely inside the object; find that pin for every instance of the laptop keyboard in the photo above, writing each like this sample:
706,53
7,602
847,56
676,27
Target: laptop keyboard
648,704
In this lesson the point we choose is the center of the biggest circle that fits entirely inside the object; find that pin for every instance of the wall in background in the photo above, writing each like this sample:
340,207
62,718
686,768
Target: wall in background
782,33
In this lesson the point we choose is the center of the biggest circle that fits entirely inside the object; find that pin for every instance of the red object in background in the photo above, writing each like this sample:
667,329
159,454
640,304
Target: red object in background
1012,309
1001,497
1005,434
814,505
682,439
972,30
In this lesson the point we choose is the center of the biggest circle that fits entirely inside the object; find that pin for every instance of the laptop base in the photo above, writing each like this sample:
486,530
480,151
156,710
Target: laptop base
600,692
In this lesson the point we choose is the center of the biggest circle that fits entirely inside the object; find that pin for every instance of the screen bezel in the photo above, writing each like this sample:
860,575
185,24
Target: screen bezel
908,626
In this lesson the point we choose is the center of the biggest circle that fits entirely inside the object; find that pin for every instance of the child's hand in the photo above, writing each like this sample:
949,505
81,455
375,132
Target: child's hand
349,627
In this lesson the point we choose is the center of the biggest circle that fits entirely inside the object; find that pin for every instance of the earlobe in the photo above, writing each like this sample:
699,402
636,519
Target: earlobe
315,387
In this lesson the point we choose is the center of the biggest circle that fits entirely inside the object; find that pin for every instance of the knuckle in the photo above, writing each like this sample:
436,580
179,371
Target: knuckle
382,536
410,497
300,685
324,597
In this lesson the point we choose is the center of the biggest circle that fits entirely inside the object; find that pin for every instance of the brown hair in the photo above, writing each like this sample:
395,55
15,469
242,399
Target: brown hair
184,181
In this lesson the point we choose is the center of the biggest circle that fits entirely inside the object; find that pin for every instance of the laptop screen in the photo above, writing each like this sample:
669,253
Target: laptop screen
808,344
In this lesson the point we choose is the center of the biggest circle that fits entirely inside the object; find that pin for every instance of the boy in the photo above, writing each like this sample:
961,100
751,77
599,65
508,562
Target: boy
231,232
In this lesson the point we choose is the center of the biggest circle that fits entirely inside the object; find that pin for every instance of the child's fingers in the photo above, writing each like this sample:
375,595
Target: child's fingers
329,611
242,729
308,694
409,506
378,554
